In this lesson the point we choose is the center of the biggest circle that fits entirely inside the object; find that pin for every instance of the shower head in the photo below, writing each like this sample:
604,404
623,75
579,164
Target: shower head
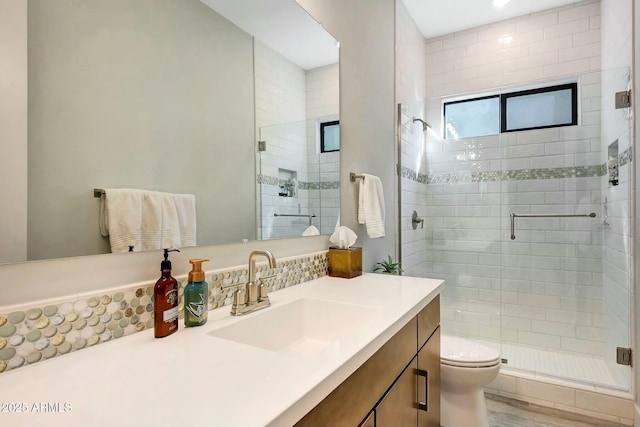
425,125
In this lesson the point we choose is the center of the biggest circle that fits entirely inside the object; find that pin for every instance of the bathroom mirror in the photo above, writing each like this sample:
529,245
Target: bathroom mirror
152,94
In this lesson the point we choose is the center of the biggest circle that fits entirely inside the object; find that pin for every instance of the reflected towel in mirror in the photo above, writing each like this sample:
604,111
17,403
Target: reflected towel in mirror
147,220
312,230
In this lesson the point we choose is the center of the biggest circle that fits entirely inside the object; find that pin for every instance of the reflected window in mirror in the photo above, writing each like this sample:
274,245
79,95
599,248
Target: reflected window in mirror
330,136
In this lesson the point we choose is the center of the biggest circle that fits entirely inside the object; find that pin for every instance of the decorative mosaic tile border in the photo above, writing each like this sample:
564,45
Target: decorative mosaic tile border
625,157
515,175
405,172
268,180
30,334
303,185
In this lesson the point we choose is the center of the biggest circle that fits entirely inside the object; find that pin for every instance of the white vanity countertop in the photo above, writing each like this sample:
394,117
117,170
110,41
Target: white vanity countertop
193,379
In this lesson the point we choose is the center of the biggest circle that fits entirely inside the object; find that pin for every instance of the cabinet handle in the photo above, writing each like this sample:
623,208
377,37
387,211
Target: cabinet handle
424,405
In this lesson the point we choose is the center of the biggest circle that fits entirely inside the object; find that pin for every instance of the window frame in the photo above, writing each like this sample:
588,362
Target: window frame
459,101
322,126
556,88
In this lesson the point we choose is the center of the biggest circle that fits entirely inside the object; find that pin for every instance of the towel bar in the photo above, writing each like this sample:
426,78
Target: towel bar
514,216
98,192
353,177
298,215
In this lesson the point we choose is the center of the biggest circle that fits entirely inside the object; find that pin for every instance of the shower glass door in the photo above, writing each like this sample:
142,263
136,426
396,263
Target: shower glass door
553,296
565,253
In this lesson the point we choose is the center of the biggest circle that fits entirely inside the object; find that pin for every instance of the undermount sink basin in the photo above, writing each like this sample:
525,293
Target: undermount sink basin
301,327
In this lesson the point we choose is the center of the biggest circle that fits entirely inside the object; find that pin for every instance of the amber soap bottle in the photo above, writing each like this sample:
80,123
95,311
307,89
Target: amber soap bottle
165,300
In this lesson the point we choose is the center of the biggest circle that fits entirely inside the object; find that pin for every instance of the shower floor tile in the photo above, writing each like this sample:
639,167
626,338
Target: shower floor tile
590,370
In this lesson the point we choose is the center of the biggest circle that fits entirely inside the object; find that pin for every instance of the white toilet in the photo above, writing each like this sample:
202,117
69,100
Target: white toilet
466,368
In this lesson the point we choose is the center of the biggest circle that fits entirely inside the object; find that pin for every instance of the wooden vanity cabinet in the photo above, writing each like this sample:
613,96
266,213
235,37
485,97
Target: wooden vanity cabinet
398,386
429,365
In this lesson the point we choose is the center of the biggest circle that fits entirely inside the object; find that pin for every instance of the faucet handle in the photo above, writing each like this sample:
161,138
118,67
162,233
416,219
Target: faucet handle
239,297
270,276
262,289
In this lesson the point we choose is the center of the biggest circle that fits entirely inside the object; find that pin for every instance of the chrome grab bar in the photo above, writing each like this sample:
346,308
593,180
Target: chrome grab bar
298,215
301,215
514,216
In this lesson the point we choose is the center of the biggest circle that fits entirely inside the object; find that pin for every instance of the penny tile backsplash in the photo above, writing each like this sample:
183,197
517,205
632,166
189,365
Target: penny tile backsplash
31,333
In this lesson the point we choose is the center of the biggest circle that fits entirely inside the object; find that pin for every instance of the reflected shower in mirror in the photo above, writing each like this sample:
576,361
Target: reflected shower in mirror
299,185
295,177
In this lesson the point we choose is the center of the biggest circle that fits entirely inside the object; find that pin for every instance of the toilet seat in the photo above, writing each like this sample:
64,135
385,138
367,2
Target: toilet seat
455,351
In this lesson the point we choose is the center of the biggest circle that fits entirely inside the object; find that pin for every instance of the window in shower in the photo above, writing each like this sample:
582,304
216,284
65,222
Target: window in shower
509,112
330,136
472,117
554,106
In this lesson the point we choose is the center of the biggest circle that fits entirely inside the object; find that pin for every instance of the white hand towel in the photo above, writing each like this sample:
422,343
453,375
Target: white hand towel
122,218
147,220
151,224
371,205
312,230
186,214
170,237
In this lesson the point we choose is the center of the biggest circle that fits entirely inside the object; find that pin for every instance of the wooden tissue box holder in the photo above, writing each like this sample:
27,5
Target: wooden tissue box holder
345,263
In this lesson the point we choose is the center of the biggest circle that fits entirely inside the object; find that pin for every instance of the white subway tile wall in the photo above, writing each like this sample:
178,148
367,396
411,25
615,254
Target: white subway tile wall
551,44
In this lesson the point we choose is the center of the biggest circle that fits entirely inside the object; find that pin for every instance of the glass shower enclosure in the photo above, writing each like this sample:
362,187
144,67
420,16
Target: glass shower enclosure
531,231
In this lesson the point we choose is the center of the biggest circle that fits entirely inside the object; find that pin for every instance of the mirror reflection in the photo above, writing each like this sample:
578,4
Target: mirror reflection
299,181
164,96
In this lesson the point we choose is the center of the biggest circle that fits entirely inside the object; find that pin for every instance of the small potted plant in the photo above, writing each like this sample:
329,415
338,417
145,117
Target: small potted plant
388,267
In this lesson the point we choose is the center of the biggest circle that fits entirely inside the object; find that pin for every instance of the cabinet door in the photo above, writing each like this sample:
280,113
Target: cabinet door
398,408
429,382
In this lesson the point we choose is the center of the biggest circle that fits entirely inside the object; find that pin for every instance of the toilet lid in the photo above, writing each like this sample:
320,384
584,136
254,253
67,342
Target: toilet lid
463,352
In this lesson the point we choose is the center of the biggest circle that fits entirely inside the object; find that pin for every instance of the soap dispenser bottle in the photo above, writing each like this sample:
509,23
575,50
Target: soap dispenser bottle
165,300
196,295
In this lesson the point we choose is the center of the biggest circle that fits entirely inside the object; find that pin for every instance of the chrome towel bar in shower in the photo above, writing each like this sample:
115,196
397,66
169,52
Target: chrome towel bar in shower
514,216
298,215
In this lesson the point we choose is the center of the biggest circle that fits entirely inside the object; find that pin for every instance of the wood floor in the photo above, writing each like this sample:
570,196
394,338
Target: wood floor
511,413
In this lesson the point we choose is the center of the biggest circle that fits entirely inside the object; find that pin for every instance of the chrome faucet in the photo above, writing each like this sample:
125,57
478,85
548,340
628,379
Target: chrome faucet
254,296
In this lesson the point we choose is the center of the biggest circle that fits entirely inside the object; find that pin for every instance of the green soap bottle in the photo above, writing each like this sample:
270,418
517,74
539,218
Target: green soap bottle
196,295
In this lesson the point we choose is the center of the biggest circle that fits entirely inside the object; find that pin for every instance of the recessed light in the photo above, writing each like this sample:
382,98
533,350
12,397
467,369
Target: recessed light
505,39
500,3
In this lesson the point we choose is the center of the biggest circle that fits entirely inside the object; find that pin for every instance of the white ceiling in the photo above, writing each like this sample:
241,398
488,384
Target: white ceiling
439,17
284,26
